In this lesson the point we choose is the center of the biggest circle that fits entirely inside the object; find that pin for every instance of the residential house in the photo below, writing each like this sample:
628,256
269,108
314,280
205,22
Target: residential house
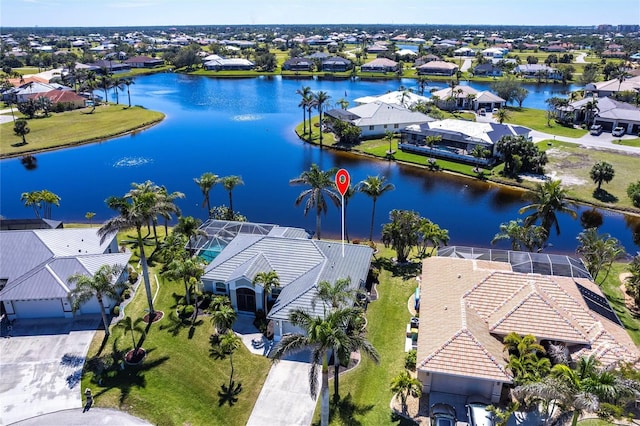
403,98
67,98
539,71
376,118
470,299
144,62
35,266
231,64
458,139
110,67
300,262
298,64
28,90
495,52
466,97
336,64
425,59
464,51
609,87
380,65
437,68
487,70
377,48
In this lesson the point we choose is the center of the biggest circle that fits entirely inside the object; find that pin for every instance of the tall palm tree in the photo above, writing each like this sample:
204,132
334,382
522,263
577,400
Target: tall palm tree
321,184
163,200
49,199
549,199
32,199
223,316
321,99
337,295
404,385
532,237
321,336
105,82
311,104
269,281
207,181
374,187
103,284
135,210
189,226
305,94
525,360
187,270
128,82
230,182
130,325
602,172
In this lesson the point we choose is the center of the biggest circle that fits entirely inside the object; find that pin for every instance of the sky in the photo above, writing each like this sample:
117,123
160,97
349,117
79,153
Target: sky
113,13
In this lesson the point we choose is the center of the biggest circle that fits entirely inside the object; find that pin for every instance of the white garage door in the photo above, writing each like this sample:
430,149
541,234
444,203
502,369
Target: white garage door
48,308
461,385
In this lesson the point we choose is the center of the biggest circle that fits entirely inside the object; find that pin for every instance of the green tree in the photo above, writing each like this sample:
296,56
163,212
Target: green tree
321,184
223,316
388,136
599,251
103,284
532,238
229,183
130,325
321,99
32,199
321,336
502,115
404,385
128,82
189,226
430,233
507,87
29,108
633,192
402,233
269,280
49,199
186,269
135,210
21,128
89,216
526,358
519,95
206,182
601,172
224,346
633,282
549,199
374,187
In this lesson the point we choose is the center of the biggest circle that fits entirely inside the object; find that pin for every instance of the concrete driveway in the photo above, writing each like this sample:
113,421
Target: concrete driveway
285,398
41,364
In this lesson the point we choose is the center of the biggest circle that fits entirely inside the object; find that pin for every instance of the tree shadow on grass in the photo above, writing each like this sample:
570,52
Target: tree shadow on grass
397,419
347,410
228,394
604,196
177,324
405,270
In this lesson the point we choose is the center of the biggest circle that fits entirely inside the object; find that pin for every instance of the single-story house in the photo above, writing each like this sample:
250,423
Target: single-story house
403,98
336,64
471,298
298,64
466,97
425,59
28,90
488,69
458,139
375,118
111,66
377,48
380,65
607,112
70,100
464,51
538,71
230,64
437,68
609,87
35,266
300,262
144,62
495,52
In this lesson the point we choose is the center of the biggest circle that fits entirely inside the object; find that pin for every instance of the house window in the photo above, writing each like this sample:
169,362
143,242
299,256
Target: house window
371,127
385,126
395,126
221,288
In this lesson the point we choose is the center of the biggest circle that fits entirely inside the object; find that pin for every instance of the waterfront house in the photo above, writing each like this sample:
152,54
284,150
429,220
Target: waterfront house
144,62
403,98
336,64
298,64
471,298
380,65
230,64
466,97
437,68
539,71
487,70
35,266
609,87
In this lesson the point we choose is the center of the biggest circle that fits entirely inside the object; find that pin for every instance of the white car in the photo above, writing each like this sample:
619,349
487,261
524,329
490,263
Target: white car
478,413
618,131
443,415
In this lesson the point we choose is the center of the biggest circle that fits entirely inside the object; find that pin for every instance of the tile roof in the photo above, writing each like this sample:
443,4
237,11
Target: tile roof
380,113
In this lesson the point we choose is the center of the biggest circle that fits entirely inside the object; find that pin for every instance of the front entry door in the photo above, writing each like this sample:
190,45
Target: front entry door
246,299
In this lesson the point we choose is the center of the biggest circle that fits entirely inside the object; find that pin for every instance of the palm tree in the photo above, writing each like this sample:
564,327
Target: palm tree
321,98
374,187
186,269
602,172
404,385
549,199
388,136
228,343
337,295
223,317
305,93
632,283
49,199
32,199
230,182
164,202
525,361
532,237
128,82
103,284
206,182
189,226
269,281
588,108
321,336
105,82
89,216
599,251
136,209
321,183
130,325
502,115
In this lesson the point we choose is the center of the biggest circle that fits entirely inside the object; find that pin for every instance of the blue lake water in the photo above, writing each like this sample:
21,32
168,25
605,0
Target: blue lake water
245,127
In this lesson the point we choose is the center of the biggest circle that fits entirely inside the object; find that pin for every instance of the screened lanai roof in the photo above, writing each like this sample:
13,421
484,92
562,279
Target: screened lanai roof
521,261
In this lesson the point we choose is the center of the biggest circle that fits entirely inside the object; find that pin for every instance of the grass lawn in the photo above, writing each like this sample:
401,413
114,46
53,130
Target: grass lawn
594,422
75,127
574,163
177,383
611,288
627,142
536,119
365,391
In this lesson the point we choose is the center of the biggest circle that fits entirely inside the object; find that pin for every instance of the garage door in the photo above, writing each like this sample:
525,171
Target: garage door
49,308
461,385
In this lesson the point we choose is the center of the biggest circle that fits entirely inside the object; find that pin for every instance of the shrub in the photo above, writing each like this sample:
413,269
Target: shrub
355,241
127,293
116,311
261,321
133,276
187,311
633,191
410,360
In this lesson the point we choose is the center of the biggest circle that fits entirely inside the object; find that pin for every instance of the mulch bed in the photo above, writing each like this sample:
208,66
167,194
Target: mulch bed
135,356
158,316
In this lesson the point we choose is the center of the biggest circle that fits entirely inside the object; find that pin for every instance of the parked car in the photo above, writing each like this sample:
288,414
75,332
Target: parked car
443,415
618,131
495,110
595,130
477,412
482,111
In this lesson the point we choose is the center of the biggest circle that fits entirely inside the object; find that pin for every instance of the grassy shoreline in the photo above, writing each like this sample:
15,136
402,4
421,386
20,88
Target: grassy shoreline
78,127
